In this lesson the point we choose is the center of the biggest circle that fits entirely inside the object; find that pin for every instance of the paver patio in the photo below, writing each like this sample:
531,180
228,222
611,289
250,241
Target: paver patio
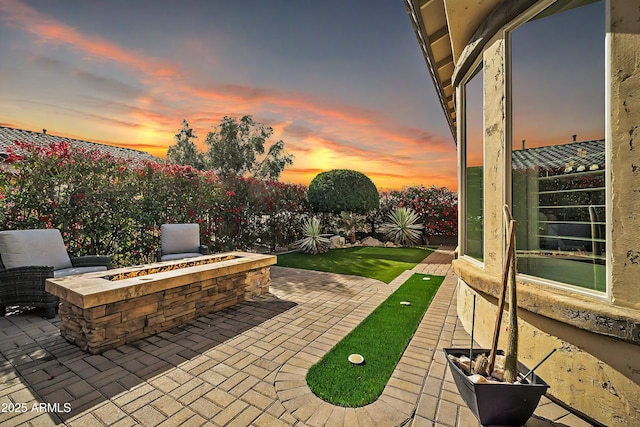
242,366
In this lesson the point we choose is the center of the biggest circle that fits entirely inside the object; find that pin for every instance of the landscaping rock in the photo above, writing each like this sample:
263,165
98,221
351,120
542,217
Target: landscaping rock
389,244
337,242
370,241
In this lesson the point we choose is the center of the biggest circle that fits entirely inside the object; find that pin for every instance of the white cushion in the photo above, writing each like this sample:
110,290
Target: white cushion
171,257
24,248
78,270
180,238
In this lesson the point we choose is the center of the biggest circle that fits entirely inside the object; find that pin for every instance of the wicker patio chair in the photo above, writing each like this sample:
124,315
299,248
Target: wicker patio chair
180,241
28,258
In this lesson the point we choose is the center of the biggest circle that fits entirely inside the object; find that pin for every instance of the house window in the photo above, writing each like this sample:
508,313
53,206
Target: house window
558,145
473,170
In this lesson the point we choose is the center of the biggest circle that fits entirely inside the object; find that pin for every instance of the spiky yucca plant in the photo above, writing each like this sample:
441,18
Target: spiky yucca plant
313,241
402,226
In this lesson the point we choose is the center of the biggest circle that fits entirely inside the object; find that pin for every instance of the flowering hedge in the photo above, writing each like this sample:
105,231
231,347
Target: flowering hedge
267,213
108,205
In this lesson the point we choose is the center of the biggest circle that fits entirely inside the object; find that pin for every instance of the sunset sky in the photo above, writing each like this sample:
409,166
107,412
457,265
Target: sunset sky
343,83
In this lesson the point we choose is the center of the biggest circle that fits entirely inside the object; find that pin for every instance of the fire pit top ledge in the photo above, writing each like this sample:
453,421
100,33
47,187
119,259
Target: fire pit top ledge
94,289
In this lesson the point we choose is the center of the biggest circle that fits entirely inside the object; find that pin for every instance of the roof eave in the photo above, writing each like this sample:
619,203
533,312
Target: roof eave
447,103
456,34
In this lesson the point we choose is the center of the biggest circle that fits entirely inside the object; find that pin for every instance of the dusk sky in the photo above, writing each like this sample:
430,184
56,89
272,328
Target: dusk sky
343,83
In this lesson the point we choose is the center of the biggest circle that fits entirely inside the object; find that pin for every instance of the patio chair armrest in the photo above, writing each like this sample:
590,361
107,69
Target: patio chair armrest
204,250
158,254
91,260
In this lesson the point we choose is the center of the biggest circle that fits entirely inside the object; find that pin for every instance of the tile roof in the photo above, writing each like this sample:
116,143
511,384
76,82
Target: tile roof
564,158
9,135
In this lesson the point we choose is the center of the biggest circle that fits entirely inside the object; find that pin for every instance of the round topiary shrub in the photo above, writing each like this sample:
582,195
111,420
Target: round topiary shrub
341,190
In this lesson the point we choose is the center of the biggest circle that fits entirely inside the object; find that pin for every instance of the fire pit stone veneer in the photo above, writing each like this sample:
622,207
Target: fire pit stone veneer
98,314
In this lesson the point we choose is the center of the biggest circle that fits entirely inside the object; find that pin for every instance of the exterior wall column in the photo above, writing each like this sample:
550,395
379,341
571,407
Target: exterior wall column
494,154
494,195
624,162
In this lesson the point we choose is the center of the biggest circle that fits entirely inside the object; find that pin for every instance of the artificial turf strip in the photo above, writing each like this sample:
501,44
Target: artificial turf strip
381,338
384,264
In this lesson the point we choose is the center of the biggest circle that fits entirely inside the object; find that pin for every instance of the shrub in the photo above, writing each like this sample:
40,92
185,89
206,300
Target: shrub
343,190
313,241
108,205
402,226
255,212
103,204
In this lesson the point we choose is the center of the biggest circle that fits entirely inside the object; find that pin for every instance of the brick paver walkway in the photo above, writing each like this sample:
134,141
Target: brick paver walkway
242,366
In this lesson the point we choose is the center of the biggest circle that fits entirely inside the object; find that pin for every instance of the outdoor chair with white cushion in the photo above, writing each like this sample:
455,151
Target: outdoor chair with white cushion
28,258
180,241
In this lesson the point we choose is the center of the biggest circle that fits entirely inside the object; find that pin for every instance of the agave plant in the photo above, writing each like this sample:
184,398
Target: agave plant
402,227
313,241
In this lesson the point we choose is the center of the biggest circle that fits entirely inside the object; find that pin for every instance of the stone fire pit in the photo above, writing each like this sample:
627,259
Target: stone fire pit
103,310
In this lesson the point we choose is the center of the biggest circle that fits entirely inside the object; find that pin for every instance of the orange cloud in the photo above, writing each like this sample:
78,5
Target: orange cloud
364,121
356,135
48,30
303,171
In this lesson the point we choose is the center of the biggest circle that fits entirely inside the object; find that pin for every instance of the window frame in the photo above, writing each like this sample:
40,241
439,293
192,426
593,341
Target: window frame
508,176
477,68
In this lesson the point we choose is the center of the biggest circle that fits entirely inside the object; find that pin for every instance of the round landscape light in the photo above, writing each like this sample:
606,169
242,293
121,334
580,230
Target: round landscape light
356,359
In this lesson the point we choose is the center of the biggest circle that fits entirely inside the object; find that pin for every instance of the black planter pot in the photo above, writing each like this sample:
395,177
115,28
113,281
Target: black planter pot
497,404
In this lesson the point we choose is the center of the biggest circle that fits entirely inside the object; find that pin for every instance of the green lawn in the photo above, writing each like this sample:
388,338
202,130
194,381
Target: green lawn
381,338
384,264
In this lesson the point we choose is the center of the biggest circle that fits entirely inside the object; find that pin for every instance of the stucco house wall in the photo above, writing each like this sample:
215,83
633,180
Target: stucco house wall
596,369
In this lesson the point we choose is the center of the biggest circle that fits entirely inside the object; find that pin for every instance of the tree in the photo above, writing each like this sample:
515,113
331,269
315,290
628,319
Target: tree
184,152
341,190
238,147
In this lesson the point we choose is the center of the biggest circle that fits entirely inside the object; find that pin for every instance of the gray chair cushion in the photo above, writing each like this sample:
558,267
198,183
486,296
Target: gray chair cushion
78,270
24,248
171,257
180,238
